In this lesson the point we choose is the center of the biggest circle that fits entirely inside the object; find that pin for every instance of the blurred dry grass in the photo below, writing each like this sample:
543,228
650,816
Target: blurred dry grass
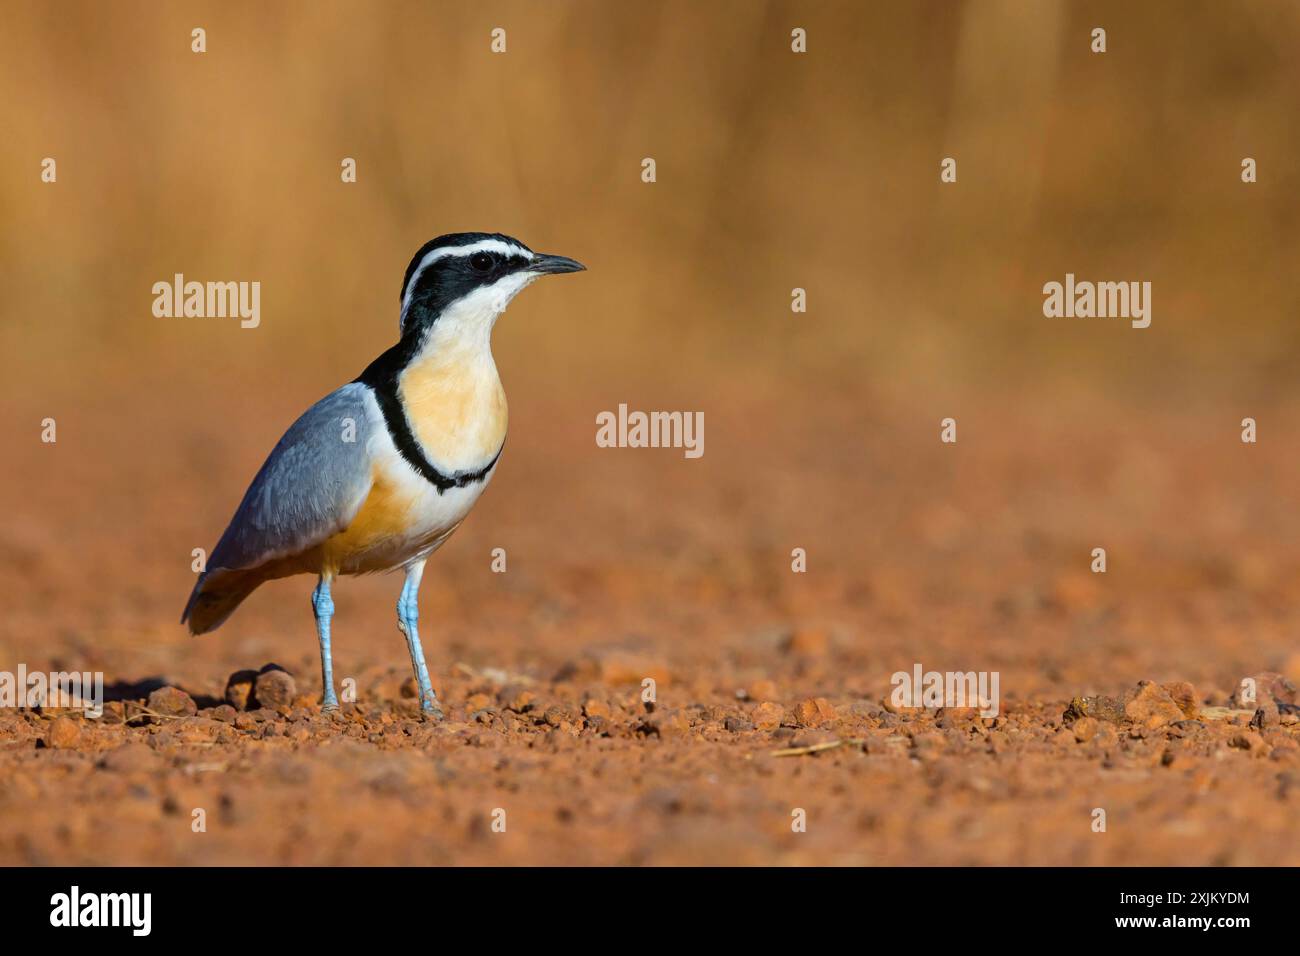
775,170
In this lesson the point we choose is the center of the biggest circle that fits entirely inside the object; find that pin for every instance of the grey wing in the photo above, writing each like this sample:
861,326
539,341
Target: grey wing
310,488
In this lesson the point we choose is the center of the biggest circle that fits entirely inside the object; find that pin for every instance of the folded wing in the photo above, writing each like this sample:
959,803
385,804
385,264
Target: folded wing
309,489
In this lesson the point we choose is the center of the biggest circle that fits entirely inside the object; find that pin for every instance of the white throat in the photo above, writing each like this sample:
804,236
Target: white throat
466,324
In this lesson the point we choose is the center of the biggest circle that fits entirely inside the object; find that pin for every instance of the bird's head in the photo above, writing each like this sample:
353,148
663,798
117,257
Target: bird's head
464,280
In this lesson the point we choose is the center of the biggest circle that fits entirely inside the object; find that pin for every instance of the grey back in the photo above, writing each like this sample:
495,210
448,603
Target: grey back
310,488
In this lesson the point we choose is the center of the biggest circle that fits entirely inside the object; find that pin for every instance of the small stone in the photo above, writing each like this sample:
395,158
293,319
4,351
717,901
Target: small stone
763,690
1151,706
522,702
274,687
767,716
738,725
814,712
1184,695
1266,715
559,718
222,712
956,716
1085,729
668,723
596,708
172,702
64,734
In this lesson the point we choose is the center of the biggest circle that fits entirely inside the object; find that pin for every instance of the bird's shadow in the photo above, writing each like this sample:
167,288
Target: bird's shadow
125,690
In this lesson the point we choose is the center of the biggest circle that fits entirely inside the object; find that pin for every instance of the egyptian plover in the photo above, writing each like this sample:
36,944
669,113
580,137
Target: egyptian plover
379,473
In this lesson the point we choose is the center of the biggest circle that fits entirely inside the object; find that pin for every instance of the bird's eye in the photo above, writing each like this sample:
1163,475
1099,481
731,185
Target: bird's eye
480,262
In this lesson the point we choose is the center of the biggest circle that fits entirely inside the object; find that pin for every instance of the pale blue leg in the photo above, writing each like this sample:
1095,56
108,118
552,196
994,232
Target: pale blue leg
408,617
323,605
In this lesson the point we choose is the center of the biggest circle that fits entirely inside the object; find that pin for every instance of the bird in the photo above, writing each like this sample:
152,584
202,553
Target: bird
379,473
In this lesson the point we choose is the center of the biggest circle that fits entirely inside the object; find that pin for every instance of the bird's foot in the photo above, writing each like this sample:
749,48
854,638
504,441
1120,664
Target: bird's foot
329,704
430,709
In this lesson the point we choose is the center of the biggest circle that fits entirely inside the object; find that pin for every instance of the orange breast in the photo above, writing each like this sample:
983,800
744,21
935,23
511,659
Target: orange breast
456,407
383,515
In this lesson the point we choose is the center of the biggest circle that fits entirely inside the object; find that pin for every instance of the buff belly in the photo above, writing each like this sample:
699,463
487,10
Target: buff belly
402,519
397,524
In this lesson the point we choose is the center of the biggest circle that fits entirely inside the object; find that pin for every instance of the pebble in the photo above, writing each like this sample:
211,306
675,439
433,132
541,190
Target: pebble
64,734
222,712
172,702
1184,695
274,687
814,712
1151,706
767,716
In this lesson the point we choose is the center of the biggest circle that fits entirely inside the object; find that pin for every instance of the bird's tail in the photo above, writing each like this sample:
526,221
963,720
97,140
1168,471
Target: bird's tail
216,595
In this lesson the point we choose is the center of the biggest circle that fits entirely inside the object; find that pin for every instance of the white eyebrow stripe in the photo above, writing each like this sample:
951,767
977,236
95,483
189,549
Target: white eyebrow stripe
433,255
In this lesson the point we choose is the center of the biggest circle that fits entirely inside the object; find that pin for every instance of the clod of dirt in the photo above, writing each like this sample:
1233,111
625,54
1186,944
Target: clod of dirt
274,687
239,689
763,690
814,712
64,734
172,702
767,716
737,725
1184,695
596,708
1152,707
222,712
666,723
1266,715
